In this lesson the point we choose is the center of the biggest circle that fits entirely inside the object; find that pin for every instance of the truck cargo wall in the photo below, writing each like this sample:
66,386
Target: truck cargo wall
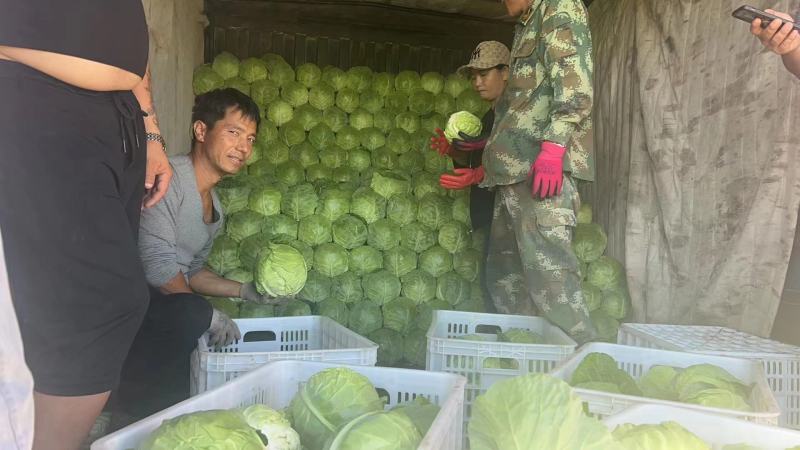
698,155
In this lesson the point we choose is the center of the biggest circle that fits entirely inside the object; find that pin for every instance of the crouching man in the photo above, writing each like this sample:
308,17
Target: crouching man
175,239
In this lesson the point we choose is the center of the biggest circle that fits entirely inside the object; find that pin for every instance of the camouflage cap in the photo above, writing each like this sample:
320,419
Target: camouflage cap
486,55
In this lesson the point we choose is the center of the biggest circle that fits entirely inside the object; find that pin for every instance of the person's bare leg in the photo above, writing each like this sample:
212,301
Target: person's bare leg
63,423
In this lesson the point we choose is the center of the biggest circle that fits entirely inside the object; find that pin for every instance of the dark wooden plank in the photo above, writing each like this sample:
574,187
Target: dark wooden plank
288,47
382,37
335,48
266,44
323,52
299,49
370,55
345,53
359,21
380,57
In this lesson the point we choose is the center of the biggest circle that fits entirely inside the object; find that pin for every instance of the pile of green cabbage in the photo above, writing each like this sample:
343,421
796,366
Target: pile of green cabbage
700,384
340,206
336,409
540,412
605,288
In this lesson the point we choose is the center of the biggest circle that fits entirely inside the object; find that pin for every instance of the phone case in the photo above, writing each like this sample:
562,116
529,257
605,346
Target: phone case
749,14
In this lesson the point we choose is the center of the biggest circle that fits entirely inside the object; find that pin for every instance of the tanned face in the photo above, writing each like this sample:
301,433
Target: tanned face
489,83
228,144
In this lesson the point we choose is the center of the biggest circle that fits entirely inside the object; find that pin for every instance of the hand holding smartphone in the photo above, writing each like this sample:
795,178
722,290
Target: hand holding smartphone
748,14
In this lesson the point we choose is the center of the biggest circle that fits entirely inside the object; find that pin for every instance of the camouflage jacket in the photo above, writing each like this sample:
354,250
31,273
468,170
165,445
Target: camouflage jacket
548,97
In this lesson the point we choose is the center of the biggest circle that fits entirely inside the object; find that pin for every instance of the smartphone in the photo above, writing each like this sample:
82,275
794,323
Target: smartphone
749,14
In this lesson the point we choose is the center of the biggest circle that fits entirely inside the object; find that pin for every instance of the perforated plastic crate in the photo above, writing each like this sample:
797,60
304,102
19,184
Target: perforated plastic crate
781,361
276,383
448,353
713,429
636,361
306,338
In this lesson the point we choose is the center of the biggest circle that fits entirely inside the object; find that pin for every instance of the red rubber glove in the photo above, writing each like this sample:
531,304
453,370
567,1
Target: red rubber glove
439,143
548,170
463,178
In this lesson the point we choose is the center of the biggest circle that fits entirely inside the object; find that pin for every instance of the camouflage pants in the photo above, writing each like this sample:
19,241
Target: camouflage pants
530,265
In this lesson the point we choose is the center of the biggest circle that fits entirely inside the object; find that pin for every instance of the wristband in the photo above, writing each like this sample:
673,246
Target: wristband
155,137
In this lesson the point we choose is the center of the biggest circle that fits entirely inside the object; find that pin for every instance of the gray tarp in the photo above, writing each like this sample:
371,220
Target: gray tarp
698,148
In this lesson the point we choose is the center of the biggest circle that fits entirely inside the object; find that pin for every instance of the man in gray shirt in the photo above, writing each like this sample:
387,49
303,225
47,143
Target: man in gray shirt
175,238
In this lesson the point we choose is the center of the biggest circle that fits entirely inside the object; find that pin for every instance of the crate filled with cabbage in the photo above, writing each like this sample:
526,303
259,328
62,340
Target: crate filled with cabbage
542,412
665,427
612,377
294,405
781,361
605,288
306,338
486,348
339,208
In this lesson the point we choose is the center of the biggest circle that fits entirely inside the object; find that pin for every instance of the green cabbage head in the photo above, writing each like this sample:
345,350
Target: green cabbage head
600,367
224,255
462,122
664,436
335,310
274,426
330,259
589,242
328,401
387,430
365,317
365,259
381,287
538,412
281,271
205,79
253,69
205,430
390,346
226,65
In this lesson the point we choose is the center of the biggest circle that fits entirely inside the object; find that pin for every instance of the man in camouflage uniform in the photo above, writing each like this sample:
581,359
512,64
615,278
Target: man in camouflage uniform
541,143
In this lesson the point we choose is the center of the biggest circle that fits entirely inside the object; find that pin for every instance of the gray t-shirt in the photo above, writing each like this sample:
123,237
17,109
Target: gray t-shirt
173,237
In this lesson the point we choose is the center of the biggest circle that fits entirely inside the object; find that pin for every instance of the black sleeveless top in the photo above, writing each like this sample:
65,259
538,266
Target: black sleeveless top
112,32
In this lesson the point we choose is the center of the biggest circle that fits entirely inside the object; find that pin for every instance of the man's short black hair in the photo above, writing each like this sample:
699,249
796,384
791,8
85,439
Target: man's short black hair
212,106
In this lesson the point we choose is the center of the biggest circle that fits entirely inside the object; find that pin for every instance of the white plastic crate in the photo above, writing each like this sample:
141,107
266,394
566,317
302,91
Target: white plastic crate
781,361
636,361
275,385
447,353
305,338
713,429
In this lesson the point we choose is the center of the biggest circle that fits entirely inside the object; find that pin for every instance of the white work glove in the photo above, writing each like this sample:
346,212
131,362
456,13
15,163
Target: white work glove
223,331
249,293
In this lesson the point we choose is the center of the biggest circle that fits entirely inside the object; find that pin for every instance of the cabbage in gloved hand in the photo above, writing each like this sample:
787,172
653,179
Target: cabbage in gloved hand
281,271
462,122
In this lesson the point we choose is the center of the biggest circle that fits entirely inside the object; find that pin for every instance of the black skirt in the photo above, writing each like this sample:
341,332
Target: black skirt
71,188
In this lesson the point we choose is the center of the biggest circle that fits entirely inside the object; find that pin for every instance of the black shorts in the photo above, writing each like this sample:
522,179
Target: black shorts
70,201
481,207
